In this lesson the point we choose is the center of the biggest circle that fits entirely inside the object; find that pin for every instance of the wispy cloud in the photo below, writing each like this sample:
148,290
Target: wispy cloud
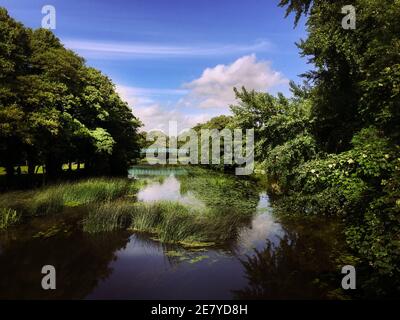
136,96
96,49
151,91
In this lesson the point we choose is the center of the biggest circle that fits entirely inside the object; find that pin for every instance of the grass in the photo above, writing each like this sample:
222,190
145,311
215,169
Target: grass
53,199
39,169
111,205
8,217
24,170
169,222
107,217
73,167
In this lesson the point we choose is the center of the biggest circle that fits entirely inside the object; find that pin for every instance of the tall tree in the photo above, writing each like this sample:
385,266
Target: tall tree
357,72
54,109
14,50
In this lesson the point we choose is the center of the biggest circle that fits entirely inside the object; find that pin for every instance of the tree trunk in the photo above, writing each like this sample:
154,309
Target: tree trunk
31,168
53,168
10,170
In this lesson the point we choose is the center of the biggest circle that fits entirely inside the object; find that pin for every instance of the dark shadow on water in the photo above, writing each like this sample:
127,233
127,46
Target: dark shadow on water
300,266
81,261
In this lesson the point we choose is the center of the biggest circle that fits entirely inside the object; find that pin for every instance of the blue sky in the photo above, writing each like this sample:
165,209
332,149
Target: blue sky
178,59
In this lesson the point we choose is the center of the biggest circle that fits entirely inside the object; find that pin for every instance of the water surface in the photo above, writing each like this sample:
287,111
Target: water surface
268,258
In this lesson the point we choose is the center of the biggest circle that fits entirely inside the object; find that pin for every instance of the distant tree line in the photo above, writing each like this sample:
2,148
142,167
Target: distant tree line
55,110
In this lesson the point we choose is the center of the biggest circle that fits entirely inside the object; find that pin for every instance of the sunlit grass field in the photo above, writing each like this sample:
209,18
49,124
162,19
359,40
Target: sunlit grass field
39,169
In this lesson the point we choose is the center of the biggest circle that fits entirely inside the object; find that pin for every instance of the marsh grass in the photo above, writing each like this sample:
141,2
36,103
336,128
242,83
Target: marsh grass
110,204
108,216
53,199
169,222
8,217
47,201
94,190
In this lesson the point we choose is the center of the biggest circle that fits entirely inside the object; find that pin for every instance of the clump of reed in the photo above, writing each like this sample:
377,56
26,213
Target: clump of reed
170,222
46,201
96,190
8,217
108,216
53,199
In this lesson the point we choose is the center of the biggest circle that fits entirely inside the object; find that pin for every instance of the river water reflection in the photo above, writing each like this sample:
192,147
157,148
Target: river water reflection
268,259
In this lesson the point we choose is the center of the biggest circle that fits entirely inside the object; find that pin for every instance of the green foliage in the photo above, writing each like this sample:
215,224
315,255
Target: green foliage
49,201
54,109
282,162
274,119
103,141
352,177
356,74
299,7
8,217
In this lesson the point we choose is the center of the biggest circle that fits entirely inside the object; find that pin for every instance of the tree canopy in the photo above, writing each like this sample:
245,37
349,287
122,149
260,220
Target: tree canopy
55,109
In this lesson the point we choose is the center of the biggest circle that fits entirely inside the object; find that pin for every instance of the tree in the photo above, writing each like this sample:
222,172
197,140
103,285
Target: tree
356,119
356,76
54,109
14,49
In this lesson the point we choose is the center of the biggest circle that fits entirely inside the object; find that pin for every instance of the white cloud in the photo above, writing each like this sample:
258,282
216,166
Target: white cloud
214,89
152,114
129,94
155,117
141,96
119,50
209,95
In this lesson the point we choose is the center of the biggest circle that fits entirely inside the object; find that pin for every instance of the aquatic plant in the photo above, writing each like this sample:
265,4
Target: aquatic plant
108,217
53,199
8,217
170,222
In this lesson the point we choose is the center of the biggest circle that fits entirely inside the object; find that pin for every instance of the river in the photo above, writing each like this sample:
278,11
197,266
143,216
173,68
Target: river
267,257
